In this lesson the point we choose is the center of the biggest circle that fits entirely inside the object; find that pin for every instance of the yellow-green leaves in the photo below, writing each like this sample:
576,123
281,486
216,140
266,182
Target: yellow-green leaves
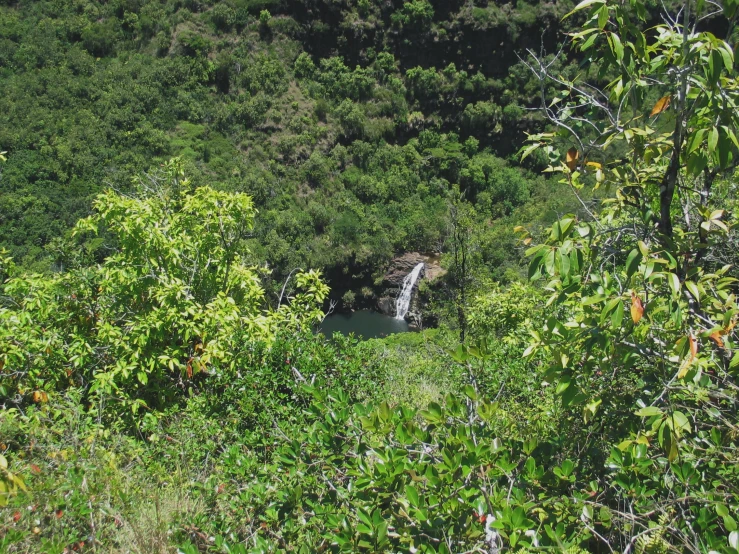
590,410
632,262
10,483
669,427
617,48
176,298
674,283
585,4
712,140
649,411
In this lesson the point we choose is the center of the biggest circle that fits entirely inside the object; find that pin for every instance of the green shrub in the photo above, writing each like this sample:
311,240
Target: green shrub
166,305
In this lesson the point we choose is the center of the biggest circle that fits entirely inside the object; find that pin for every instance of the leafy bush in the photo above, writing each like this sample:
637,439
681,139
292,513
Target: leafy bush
641,337
172,301
416,13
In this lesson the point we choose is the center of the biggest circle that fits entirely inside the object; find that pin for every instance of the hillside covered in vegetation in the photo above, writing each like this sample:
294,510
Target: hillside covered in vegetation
186,188
347,123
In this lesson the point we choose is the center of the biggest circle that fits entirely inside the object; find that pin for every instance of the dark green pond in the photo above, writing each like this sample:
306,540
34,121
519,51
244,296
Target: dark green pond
364,324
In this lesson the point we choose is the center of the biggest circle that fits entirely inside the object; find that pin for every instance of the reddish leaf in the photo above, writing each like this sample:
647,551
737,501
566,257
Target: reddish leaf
59,514
637,308
716,337
40,397
693,347
571,159
36,470
16,517
661,105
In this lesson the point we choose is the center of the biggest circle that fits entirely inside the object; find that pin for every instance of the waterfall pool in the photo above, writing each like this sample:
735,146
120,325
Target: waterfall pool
364,324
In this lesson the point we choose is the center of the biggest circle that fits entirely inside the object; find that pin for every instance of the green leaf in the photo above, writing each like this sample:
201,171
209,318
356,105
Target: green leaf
724,151
674,282
572,396
696,163
435,409
460,354
365,517
538,249
648,411
564,263
412,494
564,383
730,133
730,523
535,265
632,262
528,150
618,315
727,56
715,66
667,442
582,5
549,260
680,423
595,299
693,289
587,512
695,140
616,46
712,140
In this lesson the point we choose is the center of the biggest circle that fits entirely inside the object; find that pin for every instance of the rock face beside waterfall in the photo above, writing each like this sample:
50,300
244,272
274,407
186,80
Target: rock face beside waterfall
400,267
392,282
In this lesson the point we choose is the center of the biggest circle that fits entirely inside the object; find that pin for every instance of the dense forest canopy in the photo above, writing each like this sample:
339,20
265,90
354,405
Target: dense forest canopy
186,185
346,122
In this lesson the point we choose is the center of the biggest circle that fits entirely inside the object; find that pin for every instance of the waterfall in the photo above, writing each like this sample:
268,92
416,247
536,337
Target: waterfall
403,303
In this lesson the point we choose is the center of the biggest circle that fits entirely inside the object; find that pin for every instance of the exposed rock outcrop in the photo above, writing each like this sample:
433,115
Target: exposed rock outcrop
400,267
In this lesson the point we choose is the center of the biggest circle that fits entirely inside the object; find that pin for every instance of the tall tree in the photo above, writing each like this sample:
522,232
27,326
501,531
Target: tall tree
643,296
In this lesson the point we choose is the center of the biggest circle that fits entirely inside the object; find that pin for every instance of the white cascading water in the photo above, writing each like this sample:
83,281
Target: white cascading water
403,303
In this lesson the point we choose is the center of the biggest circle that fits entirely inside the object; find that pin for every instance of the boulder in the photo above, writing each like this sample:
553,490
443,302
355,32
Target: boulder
386,305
